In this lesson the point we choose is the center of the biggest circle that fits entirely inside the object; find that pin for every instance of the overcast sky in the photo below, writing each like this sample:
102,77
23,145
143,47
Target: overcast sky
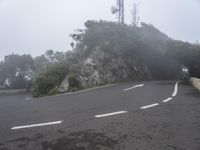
33,26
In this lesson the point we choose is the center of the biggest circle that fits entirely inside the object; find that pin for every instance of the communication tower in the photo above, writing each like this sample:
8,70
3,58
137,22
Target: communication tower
119,11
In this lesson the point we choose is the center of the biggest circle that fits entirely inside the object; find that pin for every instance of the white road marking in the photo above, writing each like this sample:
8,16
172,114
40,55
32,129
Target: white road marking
175,89
167,100
36,125
136,86
27,98
149,106
110,114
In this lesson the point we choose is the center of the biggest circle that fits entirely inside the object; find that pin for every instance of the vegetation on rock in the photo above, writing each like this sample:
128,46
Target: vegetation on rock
103,52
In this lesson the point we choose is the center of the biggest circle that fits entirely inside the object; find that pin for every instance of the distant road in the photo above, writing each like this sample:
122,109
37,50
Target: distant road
155,115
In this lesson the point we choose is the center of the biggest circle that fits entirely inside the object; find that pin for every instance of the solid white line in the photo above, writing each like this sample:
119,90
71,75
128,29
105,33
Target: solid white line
175,89
110,114
36,125
148,106
167,100
136,86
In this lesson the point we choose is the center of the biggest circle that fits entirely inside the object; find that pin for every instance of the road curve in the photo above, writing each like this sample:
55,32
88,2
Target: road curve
150,115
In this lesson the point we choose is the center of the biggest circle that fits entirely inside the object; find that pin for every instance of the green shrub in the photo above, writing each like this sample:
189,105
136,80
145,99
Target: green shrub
53,91
48,79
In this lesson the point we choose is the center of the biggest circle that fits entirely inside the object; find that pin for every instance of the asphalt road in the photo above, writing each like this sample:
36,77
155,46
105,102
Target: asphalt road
159,115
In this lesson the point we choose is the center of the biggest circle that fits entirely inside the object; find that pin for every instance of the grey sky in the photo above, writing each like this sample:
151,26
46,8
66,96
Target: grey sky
33,26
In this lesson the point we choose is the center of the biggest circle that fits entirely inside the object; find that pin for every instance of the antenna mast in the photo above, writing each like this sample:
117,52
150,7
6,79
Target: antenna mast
135,19
120,15
119,11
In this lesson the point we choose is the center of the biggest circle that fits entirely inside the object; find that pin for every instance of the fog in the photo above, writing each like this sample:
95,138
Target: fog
33,26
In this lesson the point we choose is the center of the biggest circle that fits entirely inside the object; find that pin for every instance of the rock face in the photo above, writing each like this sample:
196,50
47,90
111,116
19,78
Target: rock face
89,73
108,53
101,68
64,86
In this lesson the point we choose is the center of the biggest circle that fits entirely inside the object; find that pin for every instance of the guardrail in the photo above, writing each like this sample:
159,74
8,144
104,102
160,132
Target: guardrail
195,82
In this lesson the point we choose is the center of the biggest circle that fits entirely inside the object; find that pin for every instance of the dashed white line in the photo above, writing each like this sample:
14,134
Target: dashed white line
175,89
37,125
167,100
110,114
136,86
149,106
102,115
28,98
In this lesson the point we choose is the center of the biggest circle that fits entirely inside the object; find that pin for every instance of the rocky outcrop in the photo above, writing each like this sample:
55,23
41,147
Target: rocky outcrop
101,68
64,86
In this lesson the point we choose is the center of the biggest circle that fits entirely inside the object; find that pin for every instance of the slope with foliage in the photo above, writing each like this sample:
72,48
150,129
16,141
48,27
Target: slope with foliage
104,52
133,52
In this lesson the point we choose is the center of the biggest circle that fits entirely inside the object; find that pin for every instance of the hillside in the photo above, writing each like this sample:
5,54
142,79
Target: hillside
103,53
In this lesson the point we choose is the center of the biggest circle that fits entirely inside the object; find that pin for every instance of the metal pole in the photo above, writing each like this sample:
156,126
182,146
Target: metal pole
122,11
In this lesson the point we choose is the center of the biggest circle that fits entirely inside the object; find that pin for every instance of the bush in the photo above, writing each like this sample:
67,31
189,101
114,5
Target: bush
53,91
48,79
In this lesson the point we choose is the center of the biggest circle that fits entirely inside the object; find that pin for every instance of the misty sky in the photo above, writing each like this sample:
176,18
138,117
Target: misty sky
33,26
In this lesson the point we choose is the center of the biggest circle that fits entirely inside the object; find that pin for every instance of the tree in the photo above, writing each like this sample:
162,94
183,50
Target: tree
15,69
49,79
50,57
